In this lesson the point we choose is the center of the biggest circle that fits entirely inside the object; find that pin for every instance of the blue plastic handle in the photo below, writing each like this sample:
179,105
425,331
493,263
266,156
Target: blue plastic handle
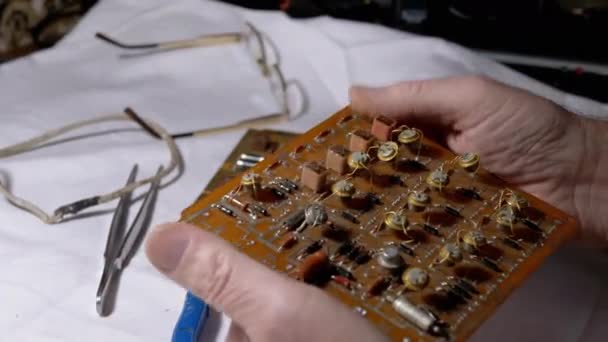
191,320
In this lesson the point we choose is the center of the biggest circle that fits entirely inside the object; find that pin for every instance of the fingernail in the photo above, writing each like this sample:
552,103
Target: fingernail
166,247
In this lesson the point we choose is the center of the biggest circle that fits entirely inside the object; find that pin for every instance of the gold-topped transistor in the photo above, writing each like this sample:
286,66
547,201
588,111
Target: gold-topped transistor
506,217
343,188
450,253
409,136
415,278
516,202
395,221
472,240
418,201
358,160
438,179
469,162
387,151
250,182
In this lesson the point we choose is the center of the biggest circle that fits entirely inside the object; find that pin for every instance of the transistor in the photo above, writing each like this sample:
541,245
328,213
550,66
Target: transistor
418,201
294,220
390,258
438,179
415,278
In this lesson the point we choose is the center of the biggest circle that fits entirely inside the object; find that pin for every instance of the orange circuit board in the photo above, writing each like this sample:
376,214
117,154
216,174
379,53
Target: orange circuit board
423,243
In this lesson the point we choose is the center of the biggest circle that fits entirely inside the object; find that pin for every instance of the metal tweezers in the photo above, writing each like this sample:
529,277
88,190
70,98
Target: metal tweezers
121,247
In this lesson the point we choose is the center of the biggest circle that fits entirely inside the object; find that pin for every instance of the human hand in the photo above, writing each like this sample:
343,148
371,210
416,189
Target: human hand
264,305
526,140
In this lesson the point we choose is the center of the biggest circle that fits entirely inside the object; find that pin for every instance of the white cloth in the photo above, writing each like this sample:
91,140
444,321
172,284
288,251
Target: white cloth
49,274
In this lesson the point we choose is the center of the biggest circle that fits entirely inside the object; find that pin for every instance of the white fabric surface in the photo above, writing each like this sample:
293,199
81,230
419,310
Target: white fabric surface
49,274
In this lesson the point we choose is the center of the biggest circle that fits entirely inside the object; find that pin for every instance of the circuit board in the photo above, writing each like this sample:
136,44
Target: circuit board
423,243
250,150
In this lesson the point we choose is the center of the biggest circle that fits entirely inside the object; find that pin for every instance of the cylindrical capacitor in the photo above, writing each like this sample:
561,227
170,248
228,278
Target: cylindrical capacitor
415,315
418,201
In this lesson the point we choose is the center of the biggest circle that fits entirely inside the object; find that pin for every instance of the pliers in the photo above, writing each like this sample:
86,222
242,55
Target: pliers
191,321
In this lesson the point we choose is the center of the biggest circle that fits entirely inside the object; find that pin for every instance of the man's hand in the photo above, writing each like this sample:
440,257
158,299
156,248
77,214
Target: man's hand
526,140
263,304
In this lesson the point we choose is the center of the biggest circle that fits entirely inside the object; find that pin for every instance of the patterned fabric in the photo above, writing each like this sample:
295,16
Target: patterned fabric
29,25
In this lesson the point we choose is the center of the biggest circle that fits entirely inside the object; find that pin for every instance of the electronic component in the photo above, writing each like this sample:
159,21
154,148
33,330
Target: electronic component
314,176
343,188
437,179
315,214
409,136
360,141
390,257
294,219
469,162
420,318
365,237
336,159
472,240
377,286
417,201
382,128
450,253
387,151
415,278
358,160
315,267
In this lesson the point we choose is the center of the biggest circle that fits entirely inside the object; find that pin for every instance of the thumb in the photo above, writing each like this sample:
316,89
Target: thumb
213,270
266,304
435,102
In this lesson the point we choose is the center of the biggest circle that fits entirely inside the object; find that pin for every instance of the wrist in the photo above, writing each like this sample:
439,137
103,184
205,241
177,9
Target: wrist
591,193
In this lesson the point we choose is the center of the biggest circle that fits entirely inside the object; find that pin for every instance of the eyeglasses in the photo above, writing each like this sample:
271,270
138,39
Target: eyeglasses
289,94
70,210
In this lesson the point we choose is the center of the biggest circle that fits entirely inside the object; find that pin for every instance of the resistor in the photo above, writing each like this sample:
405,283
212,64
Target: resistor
224,210
288,240
341,280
